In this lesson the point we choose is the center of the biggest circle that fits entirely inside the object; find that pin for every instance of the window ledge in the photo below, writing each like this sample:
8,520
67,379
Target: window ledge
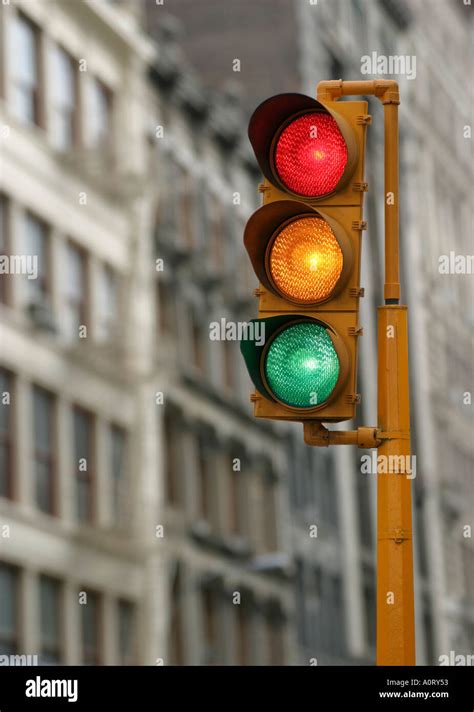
202,532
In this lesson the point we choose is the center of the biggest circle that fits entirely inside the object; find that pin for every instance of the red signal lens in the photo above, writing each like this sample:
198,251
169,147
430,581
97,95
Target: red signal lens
311,155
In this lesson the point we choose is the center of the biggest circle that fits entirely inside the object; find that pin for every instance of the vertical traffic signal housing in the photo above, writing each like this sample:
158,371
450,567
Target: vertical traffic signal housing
304,244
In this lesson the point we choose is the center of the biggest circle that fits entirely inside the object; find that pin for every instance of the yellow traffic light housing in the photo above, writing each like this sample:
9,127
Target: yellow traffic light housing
304,244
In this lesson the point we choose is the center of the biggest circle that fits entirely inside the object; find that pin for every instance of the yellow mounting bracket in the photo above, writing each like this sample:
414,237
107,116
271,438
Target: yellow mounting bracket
316,434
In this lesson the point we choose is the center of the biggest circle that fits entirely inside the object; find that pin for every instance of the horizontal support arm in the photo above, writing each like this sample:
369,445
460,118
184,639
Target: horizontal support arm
384,89
315,433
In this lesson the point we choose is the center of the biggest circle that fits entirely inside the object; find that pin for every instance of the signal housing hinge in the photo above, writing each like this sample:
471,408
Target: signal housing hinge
359,224
355,331
356,292
364,120
353,398
360,187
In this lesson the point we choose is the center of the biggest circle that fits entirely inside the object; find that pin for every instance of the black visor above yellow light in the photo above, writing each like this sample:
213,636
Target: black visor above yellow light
298,253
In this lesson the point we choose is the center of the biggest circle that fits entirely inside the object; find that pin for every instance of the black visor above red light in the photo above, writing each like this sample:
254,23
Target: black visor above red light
302,146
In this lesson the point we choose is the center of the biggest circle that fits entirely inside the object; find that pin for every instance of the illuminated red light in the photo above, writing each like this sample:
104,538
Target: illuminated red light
311,155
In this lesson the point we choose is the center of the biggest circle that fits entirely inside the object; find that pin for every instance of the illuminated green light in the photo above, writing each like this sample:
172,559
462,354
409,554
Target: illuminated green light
302,366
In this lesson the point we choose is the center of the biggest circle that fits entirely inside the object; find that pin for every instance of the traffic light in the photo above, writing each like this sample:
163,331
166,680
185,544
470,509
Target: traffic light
304,244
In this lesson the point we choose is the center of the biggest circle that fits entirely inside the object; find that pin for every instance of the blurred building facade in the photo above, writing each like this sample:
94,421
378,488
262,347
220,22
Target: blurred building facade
132,468
77,576
144,513
225,503
289,46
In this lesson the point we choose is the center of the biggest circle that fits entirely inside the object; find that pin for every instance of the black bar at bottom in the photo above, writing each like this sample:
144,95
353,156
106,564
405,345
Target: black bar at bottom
150,688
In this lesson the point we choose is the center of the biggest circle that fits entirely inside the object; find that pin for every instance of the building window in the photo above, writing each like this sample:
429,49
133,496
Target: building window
197,343
166,308
363,491
166,225
428,630
370,604
302,618
64,99
84,464
4,248
324,481
173,446
217,255
118,453
43,451
210,624
76,305
205,482
25,70
360,21
421,536
107,304
50,621
329,618
126,632
247,279
9,631
187,204
176,634
235,512
335,604
274,628
202,213
467,557
234,508
91,622
244,634
270,513
6,434
229,367
37,246
100,114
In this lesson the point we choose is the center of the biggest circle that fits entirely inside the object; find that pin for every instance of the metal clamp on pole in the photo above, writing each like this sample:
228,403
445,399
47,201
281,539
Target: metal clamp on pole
392,435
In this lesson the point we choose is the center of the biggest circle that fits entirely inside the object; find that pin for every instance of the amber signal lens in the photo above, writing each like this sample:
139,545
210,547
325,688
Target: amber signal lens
305,260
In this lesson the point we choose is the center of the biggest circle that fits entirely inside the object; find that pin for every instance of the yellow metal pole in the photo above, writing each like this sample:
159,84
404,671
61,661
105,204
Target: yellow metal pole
392,278
395,604
395,594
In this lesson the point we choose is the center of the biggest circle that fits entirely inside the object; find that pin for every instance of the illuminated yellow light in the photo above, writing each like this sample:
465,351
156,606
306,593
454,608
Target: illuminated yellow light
306,260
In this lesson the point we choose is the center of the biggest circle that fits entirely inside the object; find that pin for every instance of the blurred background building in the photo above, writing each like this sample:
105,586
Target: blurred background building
132,469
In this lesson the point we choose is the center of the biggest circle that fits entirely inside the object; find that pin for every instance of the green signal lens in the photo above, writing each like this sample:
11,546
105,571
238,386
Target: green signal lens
302,366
